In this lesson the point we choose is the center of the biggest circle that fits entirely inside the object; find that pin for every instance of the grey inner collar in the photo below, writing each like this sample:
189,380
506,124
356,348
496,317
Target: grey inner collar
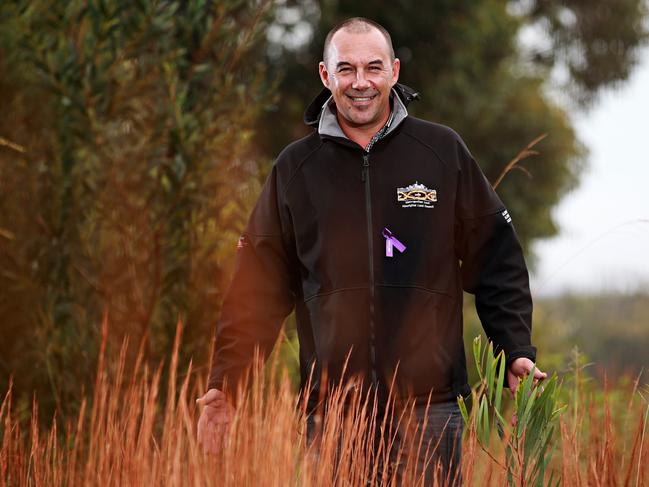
328,124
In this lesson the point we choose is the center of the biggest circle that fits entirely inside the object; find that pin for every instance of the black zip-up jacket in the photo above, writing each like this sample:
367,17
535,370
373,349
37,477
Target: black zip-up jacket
316,241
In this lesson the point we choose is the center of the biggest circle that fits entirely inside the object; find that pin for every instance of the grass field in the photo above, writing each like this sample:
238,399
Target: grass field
128,434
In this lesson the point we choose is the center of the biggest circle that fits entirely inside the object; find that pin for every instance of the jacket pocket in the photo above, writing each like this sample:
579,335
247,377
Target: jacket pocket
340,324
420,338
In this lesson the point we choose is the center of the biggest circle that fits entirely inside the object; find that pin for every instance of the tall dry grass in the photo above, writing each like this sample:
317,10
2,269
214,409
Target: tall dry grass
130,433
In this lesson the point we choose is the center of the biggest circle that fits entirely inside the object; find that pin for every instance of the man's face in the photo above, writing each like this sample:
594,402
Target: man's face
360,75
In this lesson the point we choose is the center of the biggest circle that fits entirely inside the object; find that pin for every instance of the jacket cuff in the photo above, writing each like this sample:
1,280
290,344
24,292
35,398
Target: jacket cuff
525,352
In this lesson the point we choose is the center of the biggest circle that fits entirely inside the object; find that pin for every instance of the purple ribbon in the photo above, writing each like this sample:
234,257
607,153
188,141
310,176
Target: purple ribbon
390,242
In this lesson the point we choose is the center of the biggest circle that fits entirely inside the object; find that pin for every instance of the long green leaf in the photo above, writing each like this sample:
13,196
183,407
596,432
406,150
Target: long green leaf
463,411
501,380
530,393
490,372
477,354
484,420
509,459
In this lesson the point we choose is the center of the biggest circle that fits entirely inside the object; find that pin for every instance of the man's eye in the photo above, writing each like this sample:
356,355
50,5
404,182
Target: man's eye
375,68
344,70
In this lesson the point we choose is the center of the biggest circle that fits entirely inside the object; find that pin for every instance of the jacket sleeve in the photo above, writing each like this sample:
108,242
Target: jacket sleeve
492,262
260,295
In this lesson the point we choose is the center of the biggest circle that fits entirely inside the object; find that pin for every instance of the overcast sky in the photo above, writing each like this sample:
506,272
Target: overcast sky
604,238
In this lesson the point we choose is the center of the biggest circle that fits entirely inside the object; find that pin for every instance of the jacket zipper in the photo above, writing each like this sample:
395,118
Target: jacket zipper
365,176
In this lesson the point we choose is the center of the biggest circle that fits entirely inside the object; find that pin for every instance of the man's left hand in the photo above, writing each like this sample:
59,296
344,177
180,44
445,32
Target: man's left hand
521,367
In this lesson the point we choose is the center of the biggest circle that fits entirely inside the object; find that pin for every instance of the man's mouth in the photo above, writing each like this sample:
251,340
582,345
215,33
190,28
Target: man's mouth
360,99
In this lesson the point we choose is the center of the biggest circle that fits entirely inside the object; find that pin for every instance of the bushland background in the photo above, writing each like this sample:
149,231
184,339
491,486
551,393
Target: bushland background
135,136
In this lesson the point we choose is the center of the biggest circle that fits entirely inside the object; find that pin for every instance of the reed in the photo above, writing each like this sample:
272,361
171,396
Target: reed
129,432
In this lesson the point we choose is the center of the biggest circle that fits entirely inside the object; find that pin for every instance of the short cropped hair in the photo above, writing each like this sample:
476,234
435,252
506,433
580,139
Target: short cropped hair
357,25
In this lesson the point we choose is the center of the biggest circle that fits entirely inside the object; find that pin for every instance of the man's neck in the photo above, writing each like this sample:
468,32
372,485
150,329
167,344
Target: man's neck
362,135
329,122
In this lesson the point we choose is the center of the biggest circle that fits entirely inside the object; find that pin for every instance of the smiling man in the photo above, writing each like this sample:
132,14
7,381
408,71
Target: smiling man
359,68
371,227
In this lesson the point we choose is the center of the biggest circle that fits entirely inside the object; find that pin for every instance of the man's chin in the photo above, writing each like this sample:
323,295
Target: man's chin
360,121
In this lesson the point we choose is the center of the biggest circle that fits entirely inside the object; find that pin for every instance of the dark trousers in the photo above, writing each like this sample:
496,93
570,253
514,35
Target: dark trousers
431,436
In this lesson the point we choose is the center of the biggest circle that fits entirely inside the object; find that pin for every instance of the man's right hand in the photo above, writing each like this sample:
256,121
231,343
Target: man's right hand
214,421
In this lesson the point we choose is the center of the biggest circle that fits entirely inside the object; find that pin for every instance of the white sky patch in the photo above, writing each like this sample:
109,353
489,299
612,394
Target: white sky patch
604,224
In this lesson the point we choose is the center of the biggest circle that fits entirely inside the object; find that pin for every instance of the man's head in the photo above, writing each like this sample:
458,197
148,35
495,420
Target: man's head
360,69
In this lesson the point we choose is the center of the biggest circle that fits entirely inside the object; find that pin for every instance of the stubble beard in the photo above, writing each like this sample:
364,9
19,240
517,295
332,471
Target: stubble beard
353,119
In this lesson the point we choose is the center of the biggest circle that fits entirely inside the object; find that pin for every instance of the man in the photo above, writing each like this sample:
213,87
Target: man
371,227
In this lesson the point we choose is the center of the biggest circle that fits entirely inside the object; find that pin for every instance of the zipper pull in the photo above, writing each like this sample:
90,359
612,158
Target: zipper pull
366,166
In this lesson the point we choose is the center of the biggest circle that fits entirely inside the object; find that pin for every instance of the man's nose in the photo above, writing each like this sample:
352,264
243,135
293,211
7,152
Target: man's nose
361,82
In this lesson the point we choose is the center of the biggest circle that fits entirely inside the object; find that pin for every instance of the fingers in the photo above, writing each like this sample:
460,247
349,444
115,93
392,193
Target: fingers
206,432
218,413
208,439
211,435
201,429
512,382
214,421
539,374
209,396
214,401
523,366
520,368
219,410
217,437
220,435
514,420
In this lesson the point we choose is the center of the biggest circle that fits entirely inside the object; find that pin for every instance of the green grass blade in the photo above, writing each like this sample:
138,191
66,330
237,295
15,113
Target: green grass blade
501,380
490,372
477,354
463,411
484,413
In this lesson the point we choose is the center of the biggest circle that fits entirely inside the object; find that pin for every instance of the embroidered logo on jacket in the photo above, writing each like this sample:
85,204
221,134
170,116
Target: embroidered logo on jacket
416,195
506,216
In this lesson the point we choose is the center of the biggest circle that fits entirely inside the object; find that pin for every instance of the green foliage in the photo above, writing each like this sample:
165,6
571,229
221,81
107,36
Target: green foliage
609,329
286,353
597,43
137,174
129,159
528,440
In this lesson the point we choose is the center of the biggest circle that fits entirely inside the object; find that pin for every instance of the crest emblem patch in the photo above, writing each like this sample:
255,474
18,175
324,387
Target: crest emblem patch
416,195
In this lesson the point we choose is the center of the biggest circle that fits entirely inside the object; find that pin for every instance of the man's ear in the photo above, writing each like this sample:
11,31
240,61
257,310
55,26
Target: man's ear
324,74
396,66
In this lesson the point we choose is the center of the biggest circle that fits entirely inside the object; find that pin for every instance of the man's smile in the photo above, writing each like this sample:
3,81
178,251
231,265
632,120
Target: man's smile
361,99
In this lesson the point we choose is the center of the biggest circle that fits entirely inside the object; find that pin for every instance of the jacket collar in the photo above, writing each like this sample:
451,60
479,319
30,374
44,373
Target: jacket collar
320,106
328,123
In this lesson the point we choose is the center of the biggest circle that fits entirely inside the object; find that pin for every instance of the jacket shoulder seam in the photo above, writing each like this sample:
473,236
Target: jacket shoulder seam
428,146
297,168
